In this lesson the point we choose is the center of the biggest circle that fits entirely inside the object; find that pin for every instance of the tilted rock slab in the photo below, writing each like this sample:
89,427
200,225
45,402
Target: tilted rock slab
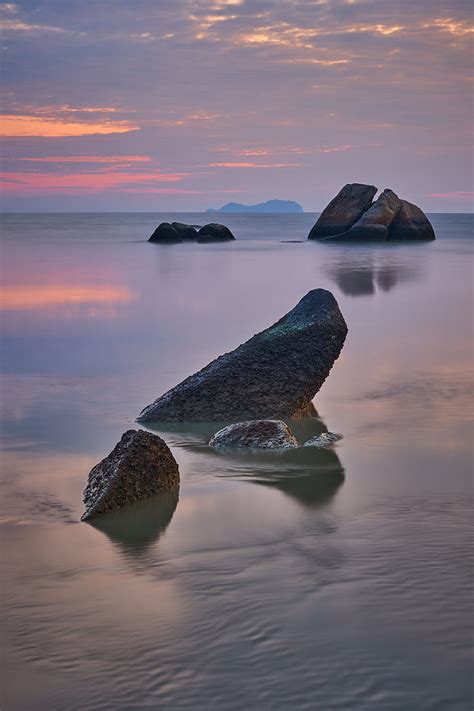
138,467
274,375
346,208
375,222
255,434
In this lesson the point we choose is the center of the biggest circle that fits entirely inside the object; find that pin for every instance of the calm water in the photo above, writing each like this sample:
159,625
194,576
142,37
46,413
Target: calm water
318,580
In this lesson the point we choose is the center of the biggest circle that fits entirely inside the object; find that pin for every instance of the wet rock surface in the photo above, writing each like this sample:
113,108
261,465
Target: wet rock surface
325,439
273,375
166,234
214,232
138,467
346,208
255,434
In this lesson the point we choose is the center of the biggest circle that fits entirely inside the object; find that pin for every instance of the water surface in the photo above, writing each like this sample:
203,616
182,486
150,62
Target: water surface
335,579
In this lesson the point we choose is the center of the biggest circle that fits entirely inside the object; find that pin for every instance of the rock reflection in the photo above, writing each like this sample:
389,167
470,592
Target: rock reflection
136,528
309,475
360,274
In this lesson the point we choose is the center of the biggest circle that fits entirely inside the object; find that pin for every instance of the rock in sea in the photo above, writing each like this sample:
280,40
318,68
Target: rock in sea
165,233
214,233
352,216
274,375
346,208
186,232
138,467
255,434
325,439
375,222
411,224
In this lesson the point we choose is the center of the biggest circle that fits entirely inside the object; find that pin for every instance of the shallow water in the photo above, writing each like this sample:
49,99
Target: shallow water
330,579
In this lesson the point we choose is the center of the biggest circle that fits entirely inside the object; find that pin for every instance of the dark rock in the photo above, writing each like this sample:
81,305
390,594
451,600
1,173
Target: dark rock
374,223
274,375
411,224
214,233
165,233
186,232
255,434
343,210
139,466
325,439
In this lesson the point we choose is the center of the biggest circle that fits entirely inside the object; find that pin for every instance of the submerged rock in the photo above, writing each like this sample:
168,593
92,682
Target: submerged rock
325,439
374,223
139,466
165,233
411,223
186,232
274,375
346,208
214,233
255,434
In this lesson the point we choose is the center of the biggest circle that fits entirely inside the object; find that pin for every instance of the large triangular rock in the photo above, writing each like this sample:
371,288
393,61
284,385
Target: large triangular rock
346,208
274,375
138,467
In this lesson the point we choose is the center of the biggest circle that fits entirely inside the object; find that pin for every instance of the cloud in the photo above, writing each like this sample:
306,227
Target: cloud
20,298
94,182
454,195
254,165
85,159
12,125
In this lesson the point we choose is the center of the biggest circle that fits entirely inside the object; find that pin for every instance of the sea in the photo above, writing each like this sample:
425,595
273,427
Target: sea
338,579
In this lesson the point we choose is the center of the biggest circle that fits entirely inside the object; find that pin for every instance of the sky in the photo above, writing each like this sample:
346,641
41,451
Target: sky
182,105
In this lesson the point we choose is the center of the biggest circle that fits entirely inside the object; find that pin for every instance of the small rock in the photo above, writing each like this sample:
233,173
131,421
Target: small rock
165,233
214,233
255,434
139,466
325,439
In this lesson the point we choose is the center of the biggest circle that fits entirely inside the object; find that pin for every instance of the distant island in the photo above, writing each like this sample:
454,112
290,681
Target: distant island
268,206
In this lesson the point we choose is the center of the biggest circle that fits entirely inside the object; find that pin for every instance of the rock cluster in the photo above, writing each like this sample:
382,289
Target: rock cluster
274,375
138,467
169,233
352,216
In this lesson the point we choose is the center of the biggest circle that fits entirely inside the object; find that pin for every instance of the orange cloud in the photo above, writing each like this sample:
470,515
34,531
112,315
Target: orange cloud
19,298
27,182
12,125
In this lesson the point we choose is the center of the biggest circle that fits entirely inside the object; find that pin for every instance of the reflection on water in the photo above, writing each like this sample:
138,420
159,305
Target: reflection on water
359,273
140,525
267,568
